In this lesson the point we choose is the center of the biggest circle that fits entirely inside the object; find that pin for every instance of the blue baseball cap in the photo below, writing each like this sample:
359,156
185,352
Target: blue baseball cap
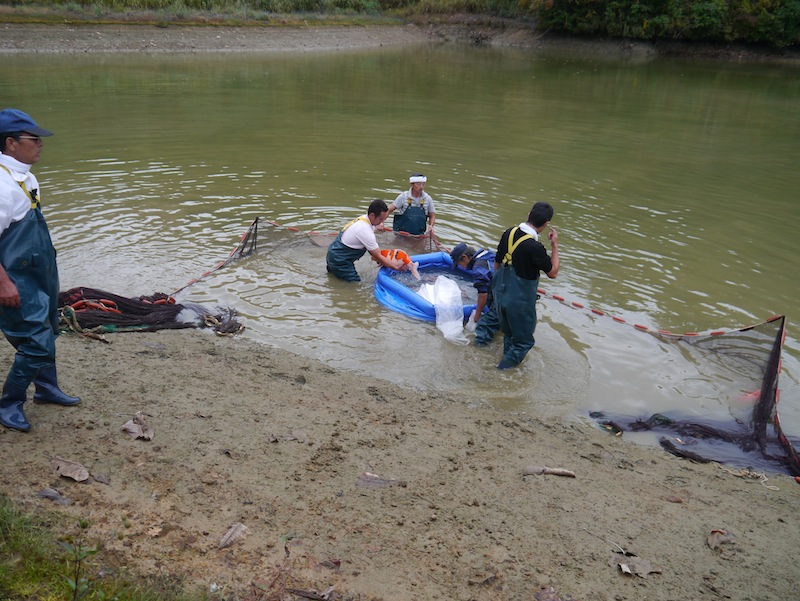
13,120
460,250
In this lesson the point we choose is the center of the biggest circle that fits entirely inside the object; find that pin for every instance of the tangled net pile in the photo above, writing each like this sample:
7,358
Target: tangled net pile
92,312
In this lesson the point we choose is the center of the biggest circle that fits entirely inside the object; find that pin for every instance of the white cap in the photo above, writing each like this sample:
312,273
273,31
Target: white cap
417,179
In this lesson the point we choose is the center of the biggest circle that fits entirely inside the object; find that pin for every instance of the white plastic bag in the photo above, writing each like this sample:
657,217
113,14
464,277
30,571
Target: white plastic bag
471,325
426,292
449,310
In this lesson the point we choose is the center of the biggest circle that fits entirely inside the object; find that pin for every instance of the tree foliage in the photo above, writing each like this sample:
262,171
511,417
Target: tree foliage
774,22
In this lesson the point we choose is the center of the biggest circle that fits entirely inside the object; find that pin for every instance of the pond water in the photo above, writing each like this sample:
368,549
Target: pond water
675,186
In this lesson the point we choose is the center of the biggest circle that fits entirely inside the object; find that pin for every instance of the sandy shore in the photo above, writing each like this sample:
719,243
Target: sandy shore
379,491
176,38
285,446
83,38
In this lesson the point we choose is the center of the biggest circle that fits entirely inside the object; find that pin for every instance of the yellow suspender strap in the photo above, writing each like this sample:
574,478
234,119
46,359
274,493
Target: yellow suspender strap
513,246
410,199
362,218
34,199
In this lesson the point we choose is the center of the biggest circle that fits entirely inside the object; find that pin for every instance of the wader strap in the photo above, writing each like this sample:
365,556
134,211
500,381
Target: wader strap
513,247
411,198
31,195
362,218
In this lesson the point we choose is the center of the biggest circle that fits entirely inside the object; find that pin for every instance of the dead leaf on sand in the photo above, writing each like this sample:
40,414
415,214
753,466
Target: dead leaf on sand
138,427
550,594
236,532
54,495
369,480
632,565
70,469
718,537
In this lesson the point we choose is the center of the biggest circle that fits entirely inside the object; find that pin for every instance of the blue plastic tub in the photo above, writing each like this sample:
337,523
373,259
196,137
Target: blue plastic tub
392,292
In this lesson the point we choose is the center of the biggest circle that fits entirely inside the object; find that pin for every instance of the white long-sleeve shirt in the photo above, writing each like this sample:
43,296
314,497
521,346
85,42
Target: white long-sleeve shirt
14,202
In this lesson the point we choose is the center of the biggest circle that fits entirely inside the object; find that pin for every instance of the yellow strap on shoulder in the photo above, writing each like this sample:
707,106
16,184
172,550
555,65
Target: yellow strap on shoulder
33,197
362,218
512,246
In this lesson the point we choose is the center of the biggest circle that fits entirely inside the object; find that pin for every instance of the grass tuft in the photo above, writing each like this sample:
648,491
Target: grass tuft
45,557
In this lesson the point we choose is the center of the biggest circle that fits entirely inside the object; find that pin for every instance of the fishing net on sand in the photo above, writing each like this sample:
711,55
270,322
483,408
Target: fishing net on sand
93,312
751,359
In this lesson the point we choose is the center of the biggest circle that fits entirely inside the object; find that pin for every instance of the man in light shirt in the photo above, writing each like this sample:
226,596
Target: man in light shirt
413,209
28,274
356,239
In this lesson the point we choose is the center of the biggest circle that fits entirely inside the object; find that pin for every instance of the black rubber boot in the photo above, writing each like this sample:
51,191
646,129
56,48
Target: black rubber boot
47,390
11,413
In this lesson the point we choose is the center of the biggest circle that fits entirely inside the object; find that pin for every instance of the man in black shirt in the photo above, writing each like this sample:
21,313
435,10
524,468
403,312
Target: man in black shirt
520,258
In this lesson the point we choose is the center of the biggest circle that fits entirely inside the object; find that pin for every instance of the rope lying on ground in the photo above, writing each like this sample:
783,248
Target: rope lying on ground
750,474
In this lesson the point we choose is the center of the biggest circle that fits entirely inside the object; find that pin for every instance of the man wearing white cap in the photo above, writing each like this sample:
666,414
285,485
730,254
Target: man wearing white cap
413,209
28,274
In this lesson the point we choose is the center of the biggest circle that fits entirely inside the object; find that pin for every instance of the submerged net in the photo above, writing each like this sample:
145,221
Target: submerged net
387,238
247,246
750,358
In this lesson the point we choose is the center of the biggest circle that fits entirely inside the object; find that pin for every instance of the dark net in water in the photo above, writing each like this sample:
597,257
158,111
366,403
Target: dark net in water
752,357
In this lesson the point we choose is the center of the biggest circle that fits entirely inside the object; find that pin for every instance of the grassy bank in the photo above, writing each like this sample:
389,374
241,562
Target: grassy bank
44,556
97,14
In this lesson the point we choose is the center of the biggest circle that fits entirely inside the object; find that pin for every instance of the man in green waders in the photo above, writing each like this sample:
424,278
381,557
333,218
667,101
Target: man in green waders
520,258
28,274
413,209
355,239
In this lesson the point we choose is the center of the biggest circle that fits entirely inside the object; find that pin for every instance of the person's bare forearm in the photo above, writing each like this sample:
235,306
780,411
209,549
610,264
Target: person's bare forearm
482,298
553,236
386,262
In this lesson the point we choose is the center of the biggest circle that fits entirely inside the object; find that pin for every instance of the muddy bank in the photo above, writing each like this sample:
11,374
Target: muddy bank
376,490
158,37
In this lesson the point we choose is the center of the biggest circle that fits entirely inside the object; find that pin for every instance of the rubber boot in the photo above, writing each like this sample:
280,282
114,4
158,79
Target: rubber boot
505,364
11,413
47,390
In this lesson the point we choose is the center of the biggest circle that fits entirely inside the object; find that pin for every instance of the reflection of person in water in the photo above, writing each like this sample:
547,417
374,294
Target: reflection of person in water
413,209
355,239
